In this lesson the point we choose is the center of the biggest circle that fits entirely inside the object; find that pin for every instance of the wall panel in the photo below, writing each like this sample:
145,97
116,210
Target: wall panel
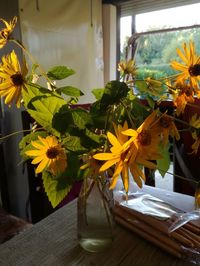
67,33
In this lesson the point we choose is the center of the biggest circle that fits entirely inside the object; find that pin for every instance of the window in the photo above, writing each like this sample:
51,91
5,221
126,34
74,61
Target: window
156,46
156,49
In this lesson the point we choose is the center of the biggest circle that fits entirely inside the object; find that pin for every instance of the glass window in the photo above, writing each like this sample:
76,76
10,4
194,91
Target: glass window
168,18
125,34
155,50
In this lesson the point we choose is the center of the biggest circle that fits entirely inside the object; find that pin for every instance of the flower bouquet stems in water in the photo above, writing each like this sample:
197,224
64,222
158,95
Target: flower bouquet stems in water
95,221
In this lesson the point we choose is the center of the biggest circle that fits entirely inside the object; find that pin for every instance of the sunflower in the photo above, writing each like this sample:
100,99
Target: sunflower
92,165
126,68
144,147
197,196
195,123
167,127
190,69
196,144
130,153
118,132
182,95
49,154
154,87
146,138
119,156
6,32
12,79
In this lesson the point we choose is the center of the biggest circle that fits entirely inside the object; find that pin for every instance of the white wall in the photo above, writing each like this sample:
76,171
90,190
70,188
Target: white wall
109,41
67,33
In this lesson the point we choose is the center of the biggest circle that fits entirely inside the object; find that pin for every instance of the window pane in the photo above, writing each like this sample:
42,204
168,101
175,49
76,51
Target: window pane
168,18
125,34
155,51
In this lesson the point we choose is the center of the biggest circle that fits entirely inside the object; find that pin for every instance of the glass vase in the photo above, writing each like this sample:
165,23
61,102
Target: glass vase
95,220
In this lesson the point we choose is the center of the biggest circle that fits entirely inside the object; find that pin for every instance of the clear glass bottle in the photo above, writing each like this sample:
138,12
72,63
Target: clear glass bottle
95,219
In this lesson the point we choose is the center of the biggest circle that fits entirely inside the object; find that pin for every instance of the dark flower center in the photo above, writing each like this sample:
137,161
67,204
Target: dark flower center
144,138
17,79
194,70
4,34
52,153
188,91
165,121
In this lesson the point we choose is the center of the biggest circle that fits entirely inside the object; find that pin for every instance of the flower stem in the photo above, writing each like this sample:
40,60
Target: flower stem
128,113
184,123
42,71
105,203
18,132
179,176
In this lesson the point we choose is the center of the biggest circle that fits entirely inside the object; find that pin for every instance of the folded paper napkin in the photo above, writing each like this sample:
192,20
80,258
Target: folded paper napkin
160,223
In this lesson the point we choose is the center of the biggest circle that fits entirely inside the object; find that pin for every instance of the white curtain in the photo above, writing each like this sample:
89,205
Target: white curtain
66,33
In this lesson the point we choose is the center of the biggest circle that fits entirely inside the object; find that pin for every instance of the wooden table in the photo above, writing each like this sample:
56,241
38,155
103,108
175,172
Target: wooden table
53,241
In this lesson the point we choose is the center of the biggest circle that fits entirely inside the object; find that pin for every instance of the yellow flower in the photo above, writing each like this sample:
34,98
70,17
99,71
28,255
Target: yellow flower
145,143
154,87
130,153
6,32
190,69
197,200
182,95
145,138
92,165
127,67
49,154
196,144
195,121
118,132
12,79
197,196
167,127
119,157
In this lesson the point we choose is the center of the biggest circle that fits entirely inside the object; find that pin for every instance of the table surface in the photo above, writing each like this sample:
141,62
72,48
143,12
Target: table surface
53,241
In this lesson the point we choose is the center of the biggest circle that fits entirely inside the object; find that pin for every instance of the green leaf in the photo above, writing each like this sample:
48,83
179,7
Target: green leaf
81,118
164,163
151,102
34,91
99,116
70,91
60,72
138,111
98,138
150,87
73,172
141,85
45,109
73,143
42,105
98,93
62,119
55,188
58,187
113,93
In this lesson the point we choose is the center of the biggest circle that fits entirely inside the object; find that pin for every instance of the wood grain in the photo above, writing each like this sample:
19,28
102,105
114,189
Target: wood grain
53,242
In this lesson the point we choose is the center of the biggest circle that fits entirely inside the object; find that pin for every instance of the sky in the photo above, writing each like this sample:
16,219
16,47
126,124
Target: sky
187,15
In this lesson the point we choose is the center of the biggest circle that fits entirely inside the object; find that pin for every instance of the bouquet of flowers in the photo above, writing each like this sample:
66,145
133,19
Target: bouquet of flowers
119,133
